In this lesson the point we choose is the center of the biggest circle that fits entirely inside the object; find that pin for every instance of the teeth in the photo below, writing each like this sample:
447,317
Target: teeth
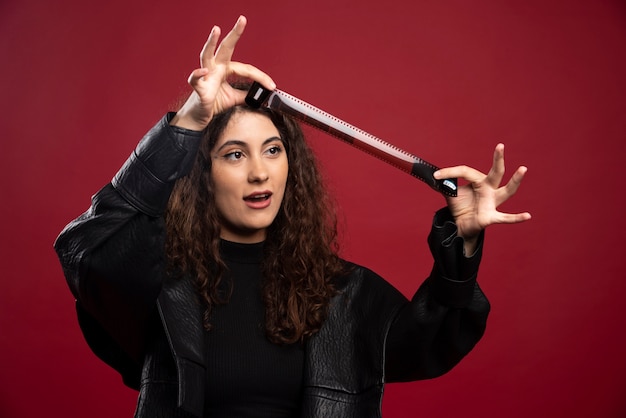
258,197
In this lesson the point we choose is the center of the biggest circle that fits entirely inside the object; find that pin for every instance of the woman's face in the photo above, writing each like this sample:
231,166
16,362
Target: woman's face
249,171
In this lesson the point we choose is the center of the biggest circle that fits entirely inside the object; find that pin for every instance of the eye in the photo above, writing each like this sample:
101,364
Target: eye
234,155
274,150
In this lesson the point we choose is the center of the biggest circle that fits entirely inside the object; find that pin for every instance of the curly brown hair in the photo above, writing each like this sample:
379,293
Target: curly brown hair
301,249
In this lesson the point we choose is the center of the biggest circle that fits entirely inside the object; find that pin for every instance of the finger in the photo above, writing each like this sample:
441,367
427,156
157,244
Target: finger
207,54
511,187
227,46
253,73
196,75
461,171
512,218
496,173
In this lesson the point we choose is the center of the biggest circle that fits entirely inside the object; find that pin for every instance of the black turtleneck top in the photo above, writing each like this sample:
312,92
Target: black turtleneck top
248,376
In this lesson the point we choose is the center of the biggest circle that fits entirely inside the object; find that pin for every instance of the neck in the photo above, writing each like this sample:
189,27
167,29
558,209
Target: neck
243,237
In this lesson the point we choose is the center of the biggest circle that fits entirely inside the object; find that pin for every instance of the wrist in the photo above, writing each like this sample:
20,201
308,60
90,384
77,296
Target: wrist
187,122
470,239
190,116
470,245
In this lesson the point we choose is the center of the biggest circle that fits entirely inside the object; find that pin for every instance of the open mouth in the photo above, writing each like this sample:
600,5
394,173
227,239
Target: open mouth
257,197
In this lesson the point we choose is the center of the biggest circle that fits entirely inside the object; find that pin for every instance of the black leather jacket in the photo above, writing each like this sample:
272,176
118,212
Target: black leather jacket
145,325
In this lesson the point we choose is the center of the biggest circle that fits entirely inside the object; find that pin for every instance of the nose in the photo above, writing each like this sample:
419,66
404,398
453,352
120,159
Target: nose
258,172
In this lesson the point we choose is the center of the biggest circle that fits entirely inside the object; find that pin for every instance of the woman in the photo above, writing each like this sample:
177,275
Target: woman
206,272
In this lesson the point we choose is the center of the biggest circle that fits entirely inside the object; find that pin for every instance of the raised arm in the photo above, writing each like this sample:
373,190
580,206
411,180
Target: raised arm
447,316
113,254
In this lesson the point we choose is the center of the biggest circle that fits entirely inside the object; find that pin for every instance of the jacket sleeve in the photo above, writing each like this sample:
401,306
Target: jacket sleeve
113,254
447,315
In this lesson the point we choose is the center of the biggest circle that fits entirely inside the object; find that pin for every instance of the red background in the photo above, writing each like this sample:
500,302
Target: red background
82,81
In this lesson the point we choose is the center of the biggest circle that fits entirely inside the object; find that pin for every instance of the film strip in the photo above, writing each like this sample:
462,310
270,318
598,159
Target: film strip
285,103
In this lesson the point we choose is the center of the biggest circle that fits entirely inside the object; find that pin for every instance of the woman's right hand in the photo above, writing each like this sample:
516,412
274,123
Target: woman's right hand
211,91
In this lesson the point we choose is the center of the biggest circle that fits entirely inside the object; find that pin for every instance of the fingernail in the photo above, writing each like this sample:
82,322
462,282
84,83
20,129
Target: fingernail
436,175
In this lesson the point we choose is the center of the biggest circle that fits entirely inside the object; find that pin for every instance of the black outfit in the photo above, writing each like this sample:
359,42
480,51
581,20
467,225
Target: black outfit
148,326
247,375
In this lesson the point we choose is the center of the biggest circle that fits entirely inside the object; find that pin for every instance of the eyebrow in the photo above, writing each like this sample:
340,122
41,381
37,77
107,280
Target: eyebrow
244,144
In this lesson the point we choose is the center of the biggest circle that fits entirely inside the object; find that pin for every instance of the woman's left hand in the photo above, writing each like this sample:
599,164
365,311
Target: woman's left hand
475,206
